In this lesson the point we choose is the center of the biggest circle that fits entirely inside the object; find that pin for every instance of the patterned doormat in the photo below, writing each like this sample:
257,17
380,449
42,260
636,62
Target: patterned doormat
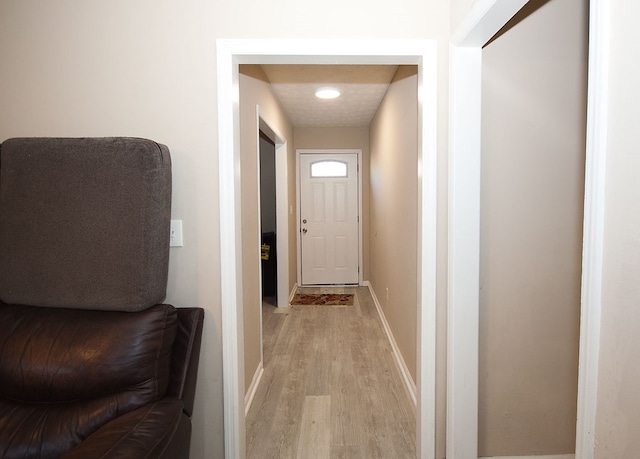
323,299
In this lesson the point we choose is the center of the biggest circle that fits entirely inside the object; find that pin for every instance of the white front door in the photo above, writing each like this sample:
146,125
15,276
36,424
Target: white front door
329,218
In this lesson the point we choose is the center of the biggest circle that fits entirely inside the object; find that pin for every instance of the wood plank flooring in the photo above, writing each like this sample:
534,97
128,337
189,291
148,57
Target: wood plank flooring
330,387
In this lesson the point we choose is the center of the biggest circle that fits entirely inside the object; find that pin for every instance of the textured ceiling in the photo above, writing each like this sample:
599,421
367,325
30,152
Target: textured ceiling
362,88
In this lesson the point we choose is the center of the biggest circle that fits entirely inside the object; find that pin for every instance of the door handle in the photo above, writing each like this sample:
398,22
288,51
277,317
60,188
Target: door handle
304,230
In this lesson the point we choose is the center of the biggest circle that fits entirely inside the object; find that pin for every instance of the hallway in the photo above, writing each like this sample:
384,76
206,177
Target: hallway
330,387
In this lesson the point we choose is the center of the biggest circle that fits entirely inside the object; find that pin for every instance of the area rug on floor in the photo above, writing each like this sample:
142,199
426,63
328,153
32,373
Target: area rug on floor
325,299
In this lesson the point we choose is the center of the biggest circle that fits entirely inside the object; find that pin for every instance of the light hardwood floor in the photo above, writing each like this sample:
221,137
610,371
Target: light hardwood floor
330,387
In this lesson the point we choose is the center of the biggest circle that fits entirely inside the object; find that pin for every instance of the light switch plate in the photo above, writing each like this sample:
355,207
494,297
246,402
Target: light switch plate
176,234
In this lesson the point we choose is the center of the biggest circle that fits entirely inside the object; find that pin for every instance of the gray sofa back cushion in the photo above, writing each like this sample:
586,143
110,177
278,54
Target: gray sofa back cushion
84,222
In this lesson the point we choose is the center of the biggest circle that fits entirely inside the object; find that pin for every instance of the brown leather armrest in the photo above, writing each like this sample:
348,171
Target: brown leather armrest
185,356
143,433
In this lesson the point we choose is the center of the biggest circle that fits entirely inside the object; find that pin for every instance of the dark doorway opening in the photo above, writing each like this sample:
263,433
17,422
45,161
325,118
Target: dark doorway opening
268,219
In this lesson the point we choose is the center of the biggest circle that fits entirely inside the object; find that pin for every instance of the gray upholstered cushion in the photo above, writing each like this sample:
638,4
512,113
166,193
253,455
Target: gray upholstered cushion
84,223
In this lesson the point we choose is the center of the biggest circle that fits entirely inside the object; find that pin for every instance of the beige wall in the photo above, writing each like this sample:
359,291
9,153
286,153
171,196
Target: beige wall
459,8
394,206
147,69
618,413
343,137
138,69
254,91
534,118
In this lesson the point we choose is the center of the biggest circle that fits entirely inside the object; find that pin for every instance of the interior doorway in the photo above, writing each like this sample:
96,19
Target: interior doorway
480,24
268,223
230,54
275,145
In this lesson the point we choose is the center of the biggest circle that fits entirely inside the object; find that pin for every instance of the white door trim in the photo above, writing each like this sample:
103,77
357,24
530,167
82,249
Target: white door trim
464,253
593,232
231,53
483,21
330,151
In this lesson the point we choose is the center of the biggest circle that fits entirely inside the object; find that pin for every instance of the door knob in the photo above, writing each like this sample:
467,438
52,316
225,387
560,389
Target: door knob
304,221
304,230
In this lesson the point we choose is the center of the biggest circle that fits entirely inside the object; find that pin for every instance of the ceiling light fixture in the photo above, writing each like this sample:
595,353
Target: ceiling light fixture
327,93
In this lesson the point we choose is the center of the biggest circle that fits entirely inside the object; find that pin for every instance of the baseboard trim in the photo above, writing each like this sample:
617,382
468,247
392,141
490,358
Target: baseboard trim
402,366
553,456
293,292
253,387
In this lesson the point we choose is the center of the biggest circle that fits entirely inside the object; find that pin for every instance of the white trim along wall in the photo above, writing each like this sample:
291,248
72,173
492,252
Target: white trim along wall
253,387
593,232
555,456
484,20
397,355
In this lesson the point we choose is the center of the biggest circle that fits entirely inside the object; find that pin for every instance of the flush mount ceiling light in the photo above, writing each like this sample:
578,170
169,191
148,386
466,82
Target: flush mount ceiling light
327,93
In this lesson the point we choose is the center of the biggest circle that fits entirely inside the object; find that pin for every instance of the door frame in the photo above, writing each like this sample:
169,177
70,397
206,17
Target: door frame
328,151
484,20
282,208
230,54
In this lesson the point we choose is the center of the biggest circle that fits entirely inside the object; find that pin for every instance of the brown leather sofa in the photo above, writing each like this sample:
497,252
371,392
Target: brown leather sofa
92,365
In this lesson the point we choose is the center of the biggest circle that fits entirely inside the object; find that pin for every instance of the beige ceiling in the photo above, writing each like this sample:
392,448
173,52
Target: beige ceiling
362,88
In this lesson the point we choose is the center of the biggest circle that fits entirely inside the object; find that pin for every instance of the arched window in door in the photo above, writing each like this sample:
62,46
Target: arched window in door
329,168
